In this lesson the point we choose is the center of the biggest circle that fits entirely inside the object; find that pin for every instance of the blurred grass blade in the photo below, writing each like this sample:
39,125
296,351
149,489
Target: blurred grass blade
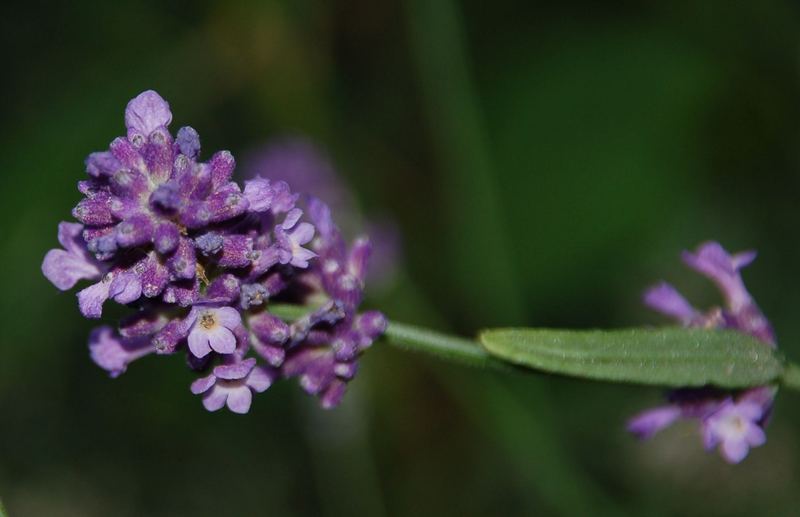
456,124
673,356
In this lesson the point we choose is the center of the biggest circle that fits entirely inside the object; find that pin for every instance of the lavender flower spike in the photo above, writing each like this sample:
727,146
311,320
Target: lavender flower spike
200,260
733,421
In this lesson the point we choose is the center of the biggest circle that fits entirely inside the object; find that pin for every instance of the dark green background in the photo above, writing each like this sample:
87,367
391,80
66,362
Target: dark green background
544,162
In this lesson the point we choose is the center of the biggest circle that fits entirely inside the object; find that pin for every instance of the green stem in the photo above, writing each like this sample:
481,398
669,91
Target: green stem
417,339
465,351
791,377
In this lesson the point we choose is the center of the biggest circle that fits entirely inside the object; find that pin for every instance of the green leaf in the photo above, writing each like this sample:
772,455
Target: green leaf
674,357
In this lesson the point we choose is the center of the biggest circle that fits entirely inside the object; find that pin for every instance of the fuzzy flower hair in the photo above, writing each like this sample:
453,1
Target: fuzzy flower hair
199,260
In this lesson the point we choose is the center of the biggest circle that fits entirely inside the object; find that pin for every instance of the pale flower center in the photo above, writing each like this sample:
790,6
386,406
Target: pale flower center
735,425
208,321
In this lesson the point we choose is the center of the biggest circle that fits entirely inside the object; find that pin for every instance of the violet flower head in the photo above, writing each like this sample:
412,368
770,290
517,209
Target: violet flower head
734,422
199,261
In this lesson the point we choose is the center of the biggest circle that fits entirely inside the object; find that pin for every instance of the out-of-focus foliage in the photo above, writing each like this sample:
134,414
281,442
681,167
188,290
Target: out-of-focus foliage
545,161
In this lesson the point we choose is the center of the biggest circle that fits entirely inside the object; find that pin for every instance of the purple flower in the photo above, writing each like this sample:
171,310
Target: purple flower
65,267
213,329
735,421
233,384
290,243
198,260
734,427
114,353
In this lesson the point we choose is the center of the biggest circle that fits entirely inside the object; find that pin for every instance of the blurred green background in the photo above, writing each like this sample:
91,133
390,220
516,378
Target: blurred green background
544,162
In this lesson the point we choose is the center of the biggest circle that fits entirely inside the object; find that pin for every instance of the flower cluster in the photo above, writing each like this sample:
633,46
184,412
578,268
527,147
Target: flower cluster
732,422
200,260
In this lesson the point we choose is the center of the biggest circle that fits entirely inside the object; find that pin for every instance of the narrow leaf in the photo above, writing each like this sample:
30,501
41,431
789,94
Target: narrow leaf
672,356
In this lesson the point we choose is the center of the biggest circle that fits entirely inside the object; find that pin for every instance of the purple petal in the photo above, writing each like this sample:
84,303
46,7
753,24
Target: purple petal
743,259
734,451
274,355
666,300
258,194
235,371
125,288
358,258
755,436
215,399
147,112
111,353
320,214
301,257
203,384
220,339
64,269
712,261
199,343
291,219
647,423
750,410
228,317
260,379
333,395
239,399
101,164
282,198
91,299
303,233
71,238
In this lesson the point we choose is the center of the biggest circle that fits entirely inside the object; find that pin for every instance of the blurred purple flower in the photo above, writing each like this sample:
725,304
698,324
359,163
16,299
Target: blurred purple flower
735,428
734,422
299,163
198,259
